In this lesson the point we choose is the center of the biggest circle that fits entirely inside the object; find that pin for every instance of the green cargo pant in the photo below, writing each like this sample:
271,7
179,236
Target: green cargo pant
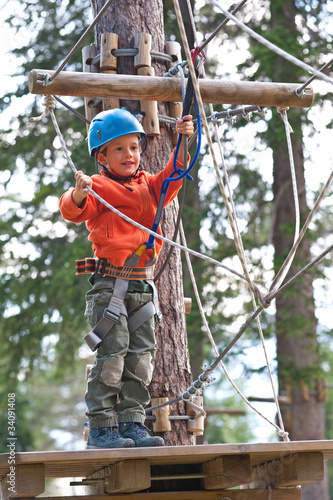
117,388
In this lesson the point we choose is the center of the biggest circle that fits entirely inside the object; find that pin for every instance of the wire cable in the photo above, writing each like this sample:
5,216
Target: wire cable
79,42
273,47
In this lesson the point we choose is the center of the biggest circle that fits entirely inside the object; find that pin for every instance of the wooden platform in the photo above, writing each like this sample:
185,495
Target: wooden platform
183,473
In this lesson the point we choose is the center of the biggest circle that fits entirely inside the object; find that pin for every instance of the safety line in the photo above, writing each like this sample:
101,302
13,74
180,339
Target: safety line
280,428
302,232
273,47
282,273
232,219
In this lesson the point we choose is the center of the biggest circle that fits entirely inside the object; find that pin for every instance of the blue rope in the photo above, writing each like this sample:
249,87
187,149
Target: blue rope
181,174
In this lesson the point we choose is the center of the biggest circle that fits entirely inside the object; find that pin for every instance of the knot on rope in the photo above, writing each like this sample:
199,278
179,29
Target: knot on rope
49,103
283,112
283,434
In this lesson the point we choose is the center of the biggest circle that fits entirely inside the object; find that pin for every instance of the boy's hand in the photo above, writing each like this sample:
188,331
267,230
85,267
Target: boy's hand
184,126
81,191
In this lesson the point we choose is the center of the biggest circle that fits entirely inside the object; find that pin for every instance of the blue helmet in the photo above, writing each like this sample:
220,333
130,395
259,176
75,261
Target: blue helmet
109,125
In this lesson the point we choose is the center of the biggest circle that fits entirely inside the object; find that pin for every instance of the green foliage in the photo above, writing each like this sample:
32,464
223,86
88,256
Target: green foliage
41,299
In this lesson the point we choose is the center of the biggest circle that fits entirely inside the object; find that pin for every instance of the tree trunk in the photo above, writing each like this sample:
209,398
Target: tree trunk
172,374
297,343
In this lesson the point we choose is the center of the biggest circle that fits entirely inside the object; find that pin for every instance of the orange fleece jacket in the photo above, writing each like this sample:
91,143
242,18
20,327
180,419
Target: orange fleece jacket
112,237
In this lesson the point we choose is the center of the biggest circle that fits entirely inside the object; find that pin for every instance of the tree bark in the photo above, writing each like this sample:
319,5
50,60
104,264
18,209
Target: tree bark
172,374
297,343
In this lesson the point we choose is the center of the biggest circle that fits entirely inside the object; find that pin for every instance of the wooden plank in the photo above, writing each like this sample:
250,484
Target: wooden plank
300,468
83,462
108,63
227,471
24,480
167,89
283,494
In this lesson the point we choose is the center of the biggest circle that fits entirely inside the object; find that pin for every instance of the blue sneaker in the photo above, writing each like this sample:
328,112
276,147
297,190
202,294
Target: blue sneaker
107,437
139,434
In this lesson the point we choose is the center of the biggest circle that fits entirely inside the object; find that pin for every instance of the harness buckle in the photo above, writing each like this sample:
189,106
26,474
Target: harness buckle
100,268
111,315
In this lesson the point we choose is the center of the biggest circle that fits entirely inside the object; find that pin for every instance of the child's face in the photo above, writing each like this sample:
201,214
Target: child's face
122,155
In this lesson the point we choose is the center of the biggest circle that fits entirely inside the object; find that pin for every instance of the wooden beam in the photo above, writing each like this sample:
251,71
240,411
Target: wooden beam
120,477
127,476
283,494
292,470
167,89
227,471
26,480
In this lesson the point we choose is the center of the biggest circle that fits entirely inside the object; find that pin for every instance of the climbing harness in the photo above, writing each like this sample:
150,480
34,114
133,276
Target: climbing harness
116,307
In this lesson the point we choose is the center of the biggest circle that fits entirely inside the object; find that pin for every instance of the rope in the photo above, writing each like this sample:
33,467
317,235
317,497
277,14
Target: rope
182,199
205,376
210,336
173,71
286,265
232,219
238,242
322,194
207,372
49,104
273,47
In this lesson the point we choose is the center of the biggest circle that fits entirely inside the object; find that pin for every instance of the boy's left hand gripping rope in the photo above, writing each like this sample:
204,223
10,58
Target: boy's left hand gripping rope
49,103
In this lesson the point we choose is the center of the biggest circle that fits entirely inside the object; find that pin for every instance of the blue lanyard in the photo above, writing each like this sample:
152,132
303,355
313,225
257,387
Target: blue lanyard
177,174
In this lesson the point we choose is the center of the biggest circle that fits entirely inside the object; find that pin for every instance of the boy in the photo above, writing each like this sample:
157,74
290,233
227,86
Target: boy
119,379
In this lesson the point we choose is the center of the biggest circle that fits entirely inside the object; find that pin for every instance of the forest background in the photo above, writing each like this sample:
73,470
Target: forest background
42,356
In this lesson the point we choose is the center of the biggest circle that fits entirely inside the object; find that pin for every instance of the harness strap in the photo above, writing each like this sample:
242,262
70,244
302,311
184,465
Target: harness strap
141,316
105,268
116,306
145,312
111,315
155,301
